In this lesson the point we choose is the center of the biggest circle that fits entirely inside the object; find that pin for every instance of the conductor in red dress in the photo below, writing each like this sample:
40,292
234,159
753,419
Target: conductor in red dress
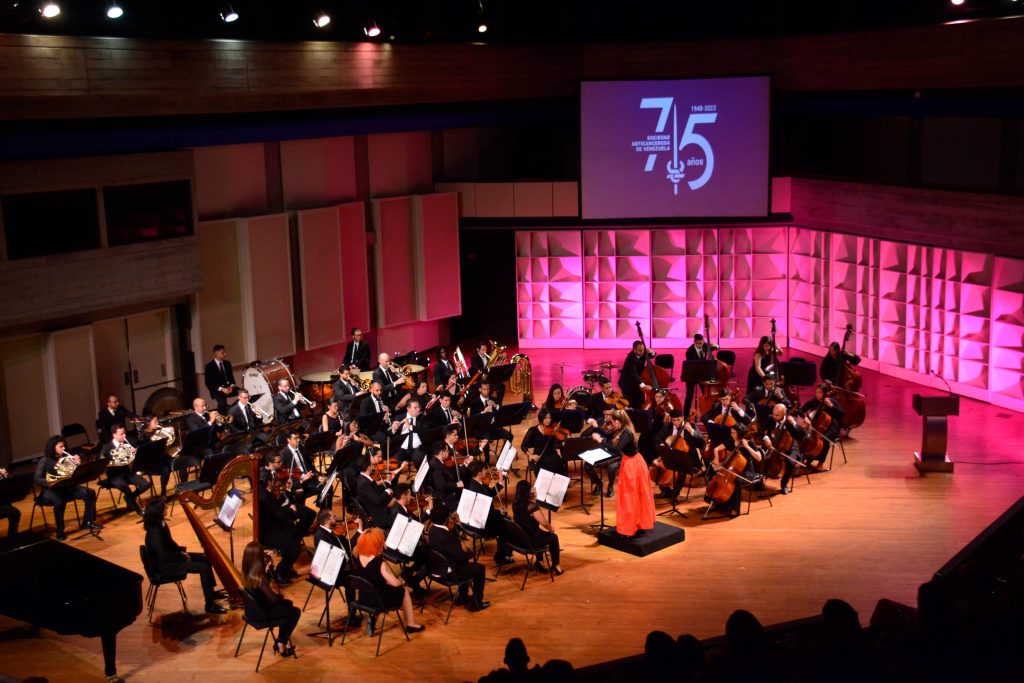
634,499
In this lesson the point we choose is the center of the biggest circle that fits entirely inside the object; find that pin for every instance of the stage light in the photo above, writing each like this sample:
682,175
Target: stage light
372,30
229,15
50,10
957,3
114,11
322,20
482,28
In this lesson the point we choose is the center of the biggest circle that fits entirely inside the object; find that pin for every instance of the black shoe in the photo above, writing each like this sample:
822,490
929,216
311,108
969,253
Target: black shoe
478,605
92,526
503,560
214,608
595,489
61,536
611,491
785,490
418,592
734,514
415,629
220,595
539,566
558,571
356,620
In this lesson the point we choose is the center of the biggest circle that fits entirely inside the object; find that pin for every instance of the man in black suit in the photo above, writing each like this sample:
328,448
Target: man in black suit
629,377
287,403
167,557
493,528
357,351
480,359
772,431
444,481
345,389
309,483
766,396
244,418
444,540
374,496
123,477
698,350
326,522
487,401
415,426
598,404
387,376
113,414
220,381
442,413
200,419
279,523
443,369
678,430
421,554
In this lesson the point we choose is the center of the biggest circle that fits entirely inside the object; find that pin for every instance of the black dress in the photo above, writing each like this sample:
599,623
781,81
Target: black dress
333,424
544,446
391,596
538,536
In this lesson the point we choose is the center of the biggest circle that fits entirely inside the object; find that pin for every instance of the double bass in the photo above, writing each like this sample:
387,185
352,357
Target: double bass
711,390
655,377
847,393
789,391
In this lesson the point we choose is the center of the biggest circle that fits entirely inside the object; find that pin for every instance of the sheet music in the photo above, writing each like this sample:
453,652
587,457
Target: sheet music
316,566
328,485
229,509
332,567
404,535
551,487
508,454
421,476
474,508
595,456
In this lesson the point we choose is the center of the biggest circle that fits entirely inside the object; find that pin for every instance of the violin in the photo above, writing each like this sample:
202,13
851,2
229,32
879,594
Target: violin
556,431
616,400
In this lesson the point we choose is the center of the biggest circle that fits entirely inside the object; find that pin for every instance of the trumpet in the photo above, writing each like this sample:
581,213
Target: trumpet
302,399
64,468
257,412
223,419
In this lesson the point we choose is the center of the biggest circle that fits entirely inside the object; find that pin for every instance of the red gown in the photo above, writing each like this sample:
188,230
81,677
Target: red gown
634,498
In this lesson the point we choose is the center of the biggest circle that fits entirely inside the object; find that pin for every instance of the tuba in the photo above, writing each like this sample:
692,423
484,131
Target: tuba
64,468
522,378
122,456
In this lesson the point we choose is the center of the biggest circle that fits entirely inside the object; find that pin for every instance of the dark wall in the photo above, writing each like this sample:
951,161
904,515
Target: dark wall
488,269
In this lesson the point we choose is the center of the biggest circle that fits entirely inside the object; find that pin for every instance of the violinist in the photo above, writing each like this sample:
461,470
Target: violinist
766,396
374,489
542,442
421,555
446,483
414,426
762,362
772,435
601,429
555,399
306,480
673,434
698,350
460,564
832,364
629,377
634,505
325,532
529,516
822,401
478,483
279,521
606,398
748,449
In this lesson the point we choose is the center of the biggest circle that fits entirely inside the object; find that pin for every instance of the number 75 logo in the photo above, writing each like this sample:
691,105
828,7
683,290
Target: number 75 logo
676,170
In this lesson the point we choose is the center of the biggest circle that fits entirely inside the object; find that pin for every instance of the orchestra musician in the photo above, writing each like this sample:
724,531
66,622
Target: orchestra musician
487,401
634,504
445,540
770,435
601,429
541,445
345,388
738,440
421,391
374,489
200,419
388,375
113,414
307,481
153,431
832,366
446,480
556,398
444,370
122,477
527,514
725,412
766,396
326,523
442,413
243,415
414,424
332,422
698,350
376,404
602,400
58,495
170,558
275,607
287,402
357,351
9,512
415,573
219,379
479,474
279,520
629,377
762,363
676,428
392,591
480,359
822,401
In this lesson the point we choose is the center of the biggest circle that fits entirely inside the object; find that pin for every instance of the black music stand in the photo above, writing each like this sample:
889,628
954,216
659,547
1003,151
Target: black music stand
798,372
696,371
147,460
246,437
679,463
934,411
512,414
319,444
432,436
572,420
571,449
643,421
499,375
598,467
16,488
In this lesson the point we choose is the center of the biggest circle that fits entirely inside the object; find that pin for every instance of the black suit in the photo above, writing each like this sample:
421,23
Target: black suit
286,407
597,406
123,478
477,364
345,393
629,378
360,356
447,543
774,431
170,558
279,528
215,378
58,495
374,498
443,369
388,380
693,353
243,419
696,442
420,428
105,422
437,416
300,492
445,484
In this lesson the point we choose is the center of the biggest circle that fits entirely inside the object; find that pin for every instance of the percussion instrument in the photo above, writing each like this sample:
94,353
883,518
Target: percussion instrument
581,394
260,380
594,377
319,386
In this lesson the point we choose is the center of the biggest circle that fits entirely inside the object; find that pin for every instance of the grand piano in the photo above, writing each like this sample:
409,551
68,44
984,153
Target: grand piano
101,600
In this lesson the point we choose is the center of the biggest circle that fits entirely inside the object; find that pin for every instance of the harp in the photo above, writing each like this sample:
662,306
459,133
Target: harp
242,466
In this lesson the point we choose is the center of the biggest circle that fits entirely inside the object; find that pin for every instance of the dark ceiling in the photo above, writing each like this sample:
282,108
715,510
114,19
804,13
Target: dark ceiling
508,21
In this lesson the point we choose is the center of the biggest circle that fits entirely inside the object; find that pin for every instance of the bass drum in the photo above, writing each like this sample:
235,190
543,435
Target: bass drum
260,380
581,395
165,401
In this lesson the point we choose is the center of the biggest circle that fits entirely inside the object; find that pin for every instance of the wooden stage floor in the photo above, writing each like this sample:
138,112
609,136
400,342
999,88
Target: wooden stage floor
871,528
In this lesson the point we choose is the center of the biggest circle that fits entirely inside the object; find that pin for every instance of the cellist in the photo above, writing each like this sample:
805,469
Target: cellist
764,397
772,435
629,377
675,429
832,364
727,413
822,401
751,451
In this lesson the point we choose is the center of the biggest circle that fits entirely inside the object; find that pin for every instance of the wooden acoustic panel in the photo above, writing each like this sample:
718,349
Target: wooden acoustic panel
28,419
321,263
266,267
355,279
396,263
219,304
437,242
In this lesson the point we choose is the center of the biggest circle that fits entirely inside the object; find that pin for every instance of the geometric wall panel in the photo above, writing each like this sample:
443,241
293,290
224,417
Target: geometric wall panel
549,289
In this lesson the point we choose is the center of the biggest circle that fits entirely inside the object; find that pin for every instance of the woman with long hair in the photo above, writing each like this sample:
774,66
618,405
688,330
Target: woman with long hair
275,606
167,557
762,363
392,590
527,514
59,496
555,399
541,446
333,422
634,500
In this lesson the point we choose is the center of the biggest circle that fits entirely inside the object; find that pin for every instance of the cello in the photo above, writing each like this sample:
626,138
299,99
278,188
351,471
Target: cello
789,391
848,392
712,389
722,486
654,377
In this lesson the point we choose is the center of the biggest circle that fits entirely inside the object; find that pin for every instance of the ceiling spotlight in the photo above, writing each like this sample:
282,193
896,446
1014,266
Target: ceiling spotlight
482,28
50,10
957,3
114,11
229,15
373,30
322,20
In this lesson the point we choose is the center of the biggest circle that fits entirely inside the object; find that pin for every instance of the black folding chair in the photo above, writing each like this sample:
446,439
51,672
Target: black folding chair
255,616
440,573
368,601
157,579
520,543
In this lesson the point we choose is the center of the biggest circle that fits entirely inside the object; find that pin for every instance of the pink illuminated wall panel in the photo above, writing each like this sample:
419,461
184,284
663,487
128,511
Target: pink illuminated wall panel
549,288
684,284
437,251
1006,369
616,286
753,283
355,279
854,279
395,262
808,286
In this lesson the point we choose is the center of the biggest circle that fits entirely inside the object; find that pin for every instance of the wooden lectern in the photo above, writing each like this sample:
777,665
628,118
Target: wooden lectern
934,410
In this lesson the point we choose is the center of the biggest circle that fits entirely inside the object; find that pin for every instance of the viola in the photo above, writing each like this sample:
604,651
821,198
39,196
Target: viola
556,431
465,445
616,400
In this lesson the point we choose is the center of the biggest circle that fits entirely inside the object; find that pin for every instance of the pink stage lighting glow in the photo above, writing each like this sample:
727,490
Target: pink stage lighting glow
373,30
